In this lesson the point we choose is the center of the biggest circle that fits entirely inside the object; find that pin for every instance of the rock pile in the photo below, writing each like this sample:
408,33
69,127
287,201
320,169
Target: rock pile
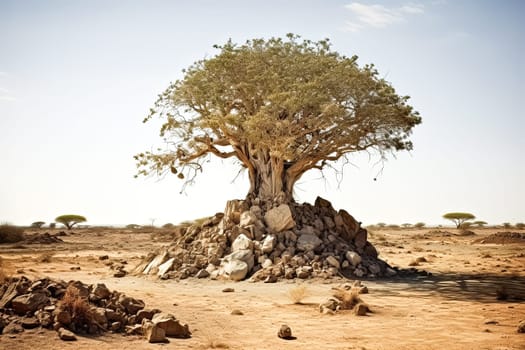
44,238
75,307
268,241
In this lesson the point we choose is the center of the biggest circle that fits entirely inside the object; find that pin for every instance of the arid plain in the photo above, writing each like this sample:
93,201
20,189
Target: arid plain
472,299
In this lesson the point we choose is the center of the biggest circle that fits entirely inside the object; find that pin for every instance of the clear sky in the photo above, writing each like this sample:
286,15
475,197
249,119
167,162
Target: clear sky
77,78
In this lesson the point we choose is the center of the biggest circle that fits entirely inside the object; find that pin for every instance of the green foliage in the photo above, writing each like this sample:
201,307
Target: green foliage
297,105
37,224
11,234
459,218
419,224
70,220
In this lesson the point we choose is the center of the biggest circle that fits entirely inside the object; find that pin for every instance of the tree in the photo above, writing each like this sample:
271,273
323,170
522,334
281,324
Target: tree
459,218
280,107
406,225
38,224
70,220
479,223
419,224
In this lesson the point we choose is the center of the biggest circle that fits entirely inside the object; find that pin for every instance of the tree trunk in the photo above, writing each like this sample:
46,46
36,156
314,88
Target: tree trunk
270,182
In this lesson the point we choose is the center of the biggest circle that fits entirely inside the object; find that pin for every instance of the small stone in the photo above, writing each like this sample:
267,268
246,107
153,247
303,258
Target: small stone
491,322
115,326
333,261
521,327
119,274
237,312
285,332
30,323
103,257
134,330
228,290
270,279
203,273
360,309
66,335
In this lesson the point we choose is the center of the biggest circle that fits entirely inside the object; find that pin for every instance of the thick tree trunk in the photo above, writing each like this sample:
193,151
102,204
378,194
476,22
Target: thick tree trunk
269,181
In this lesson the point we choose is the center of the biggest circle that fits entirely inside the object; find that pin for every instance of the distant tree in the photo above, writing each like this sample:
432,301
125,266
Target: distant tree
38,224
132,226
419,224
406,225
394,226
280,108
459,218
479,223
507,225
52,225
168,225
381,224
520,225
70,220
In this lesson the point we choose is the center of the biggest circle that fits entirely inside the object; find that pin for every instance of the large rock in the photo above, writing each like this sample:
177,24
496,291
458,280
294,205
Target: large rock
268,243
235,269
350,225
172,327
100,291
361,239
308,242
245,255
353,258
153,332
279,219
131,305
247,218
28,302
165,267
242,242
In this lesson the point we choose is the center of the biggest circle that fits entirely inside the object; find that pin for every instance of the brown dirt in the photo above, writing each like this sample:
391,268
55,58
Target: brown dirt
449,310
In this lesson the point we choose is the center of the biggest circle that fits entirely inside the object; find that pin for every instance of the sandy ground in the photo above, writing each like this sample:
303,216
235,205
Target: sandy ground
455,308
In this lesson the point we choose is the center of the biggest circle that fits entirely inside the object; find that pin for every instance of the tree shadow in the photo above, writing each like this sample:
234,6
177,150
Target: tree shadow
486,288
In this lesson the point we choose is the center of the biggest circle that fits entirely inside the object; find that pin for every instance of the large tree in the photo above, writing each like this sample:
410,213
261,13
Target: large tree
281,107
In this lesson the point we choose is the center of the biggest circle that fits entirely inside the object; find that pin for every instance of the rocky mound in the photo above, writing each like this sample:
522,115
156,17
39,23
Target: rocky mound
268,241
75,307
44,238
502,238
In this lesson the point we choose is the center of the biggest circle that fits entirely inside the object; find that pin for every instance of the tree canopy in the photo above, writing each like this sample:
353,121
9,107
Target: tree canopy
459,218
281,107
70,220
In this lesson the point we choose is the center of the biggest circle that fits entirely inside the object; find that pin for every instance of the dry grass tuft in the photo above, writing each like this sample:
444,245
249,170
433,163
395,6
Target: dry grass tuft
77,306
348,298
297,294
212,343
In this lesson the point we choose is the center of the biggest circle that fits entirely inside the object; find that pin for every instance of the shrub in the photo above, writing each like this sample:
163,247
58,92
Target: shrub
507,225
298,293
406,225
168,225
520,225
419,224
77,307
11,234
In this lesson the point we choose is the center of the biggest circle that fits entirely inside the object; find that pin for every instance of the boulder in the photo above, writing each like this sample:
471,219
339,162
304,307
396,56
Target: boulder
245,255
100,291
308,242
153,332
353,258
333,261
235,269
242,242
279,219
350,225
172,327
165,267
28,302
268,243
361,238
131,305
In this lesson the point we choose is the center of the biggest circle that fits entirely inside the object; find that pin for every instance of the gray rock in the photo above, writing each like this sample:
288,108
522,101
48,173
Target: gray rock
247,218
245,255
202,273
279,219
374,268
308,242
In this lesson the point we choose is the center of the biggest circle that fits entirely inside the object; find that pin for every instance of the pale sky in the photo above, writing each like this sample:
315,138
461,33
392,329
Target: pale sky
77,78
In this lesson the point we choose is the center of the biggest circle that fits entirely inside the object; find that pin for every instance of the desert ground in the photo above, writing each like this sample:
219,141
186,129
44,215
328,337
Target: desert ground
458,306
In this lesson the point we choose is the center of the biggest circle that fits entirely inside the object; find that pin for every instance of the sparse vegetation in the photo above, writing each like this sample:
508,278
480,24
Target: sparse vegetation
459,218
297,293
520,225
11,234
419,224
70,220
77,306
406,225
348,298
